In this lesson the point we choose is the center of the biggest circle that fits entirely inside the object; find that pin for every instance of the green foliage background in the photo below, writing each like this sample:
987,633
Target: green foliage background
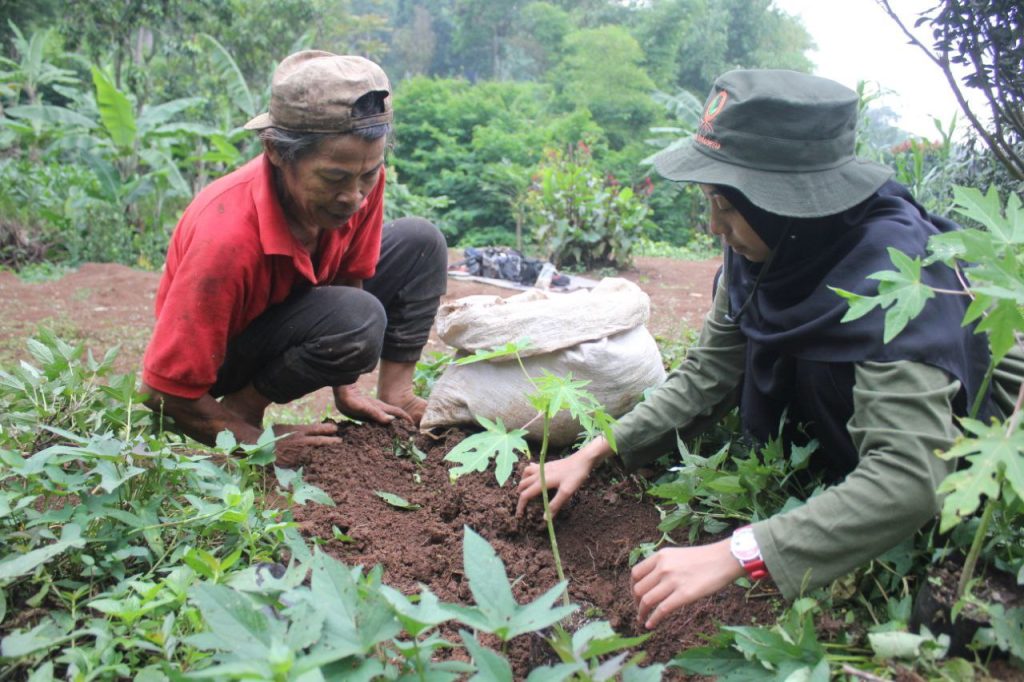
113,115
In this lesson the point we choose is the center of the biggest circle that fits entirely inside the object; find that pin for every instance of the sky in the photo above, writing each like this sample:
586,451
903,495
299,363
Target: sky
856,40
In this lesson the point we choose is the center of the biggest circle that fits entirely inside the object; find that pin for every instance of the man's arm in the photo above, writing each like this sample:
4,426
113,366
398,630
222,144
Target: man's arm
201,419
204,417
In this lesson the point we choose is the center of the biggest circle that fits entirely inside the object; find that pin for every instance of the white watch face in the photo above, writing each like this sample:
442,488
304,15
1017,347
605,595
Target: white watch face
744,546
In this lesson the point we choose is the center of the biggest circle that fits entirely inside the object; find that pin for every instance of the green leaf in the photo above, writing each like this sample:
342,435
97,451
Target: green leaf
901,293
510,350
725,484
115,111
721,663
994,456
226,442
491,666
597,639
233,622
897,644
475,452
859,305
357,620
43,636
428,611
22,564
634,673
231,75
302,492
496,609
111,478
396,501
50,114
555,394
987,210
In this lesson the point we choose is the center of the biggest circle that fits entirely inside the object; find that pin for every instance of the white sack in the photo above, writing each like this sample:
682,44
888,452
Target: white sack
551,321
620,368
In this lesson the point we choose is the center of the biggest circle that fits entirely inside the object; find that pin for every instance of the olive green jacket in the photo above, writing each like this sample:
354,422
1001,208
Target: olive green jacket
902,415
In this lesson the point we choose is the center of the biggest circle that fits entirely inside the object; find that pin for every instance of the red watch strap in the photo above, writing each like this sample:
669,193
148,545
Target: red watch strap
755,569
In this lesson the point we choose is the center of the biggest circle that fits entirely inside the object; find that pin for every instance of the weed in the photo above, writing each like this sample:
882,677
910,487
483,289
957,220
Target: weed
137,557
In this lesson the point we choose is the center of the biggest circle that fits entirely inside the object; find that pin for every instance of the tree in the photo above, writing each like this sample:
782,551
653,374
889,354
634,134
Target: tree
986,37
537,43
135,30
603,72
414,45
714,36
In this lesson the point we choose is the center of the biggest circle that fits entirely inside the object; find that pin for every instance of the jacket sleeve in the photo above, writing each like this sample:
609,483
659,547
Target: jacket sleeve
902,414
692,397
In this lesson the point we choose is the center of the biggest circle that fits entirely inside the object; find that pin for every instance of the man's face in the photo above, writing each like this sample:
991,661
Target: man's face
323,190
726,222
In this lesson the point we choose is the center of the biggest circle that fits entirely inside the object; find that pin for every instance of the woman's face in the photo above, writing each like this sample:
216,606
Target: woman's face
726,222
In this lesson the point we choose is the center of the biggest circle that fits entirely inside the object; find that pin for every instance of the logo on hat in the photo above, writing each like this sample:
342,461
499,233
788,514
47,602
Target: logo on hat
711,111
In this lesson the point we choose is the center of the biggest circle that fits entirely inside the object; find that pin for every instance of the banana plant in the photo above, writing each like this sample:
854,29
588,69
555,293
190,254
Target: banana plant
33,70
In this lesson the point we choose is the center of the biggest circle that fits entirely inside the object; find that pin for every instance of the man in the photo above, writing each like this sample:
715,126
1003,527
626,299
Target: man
281,277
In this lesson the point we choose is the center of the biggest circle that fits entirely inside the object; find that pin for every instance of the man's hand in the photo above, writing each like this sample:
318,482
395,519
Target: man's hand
293,450
353,403
566,474
677,576
307,434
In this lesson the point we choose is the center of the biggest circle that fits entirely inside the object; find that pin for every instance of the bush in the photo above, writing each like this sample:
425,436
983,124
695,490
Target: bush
580,216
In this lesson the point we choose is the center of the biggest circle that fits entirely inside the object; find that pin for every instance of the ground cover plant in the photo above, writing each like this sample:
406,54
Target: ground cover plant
611,523
127,554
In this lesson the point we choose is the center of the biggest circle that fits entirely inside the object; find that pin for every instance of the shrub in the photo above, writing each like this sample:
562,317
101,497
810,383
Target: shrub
580,216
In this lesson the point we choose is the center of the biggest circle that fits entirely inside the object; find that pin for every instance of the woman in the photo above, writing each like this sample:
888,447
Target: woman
800,214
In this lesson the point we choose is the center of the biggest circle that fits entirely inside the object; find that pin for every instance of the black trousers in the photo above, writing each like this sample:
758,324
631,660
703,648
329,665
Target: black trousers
330,335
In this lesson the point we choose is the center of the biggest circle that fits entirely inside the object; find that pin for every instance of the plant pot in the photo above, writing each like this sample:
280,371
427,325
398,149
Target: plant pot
935,599
933,610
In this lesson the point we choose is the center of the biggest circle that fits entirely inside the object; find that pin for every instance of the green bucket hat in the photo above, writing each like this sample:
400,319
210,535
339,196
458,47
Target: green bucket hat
783,139
313,91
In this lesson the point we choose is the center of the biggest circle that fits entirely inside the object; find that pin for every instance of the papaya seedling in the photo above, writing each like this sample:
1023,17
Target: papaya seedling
993,259
552,395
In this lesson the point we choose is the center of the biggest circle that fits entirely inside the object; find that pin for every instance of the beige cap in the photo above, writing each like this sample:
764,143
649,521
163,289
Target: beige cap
313,91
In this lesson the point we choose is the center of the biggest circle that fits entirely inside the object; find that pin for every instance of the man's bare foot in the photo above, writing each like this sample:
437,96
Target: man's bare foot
394,386
248,403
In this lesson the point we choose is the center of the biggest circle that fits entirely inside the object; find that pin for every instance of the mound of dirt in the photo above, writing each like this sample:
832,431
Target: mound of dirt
596,533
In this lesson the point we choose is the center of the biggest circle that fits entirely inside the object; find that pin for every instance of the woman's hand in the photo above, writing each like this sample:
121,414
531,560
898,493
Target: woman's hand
566,474
677,576
353,403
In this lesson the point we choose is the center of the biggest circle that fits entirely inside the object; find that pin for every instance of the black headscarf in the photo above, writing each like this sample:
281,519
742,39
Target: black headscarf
788,313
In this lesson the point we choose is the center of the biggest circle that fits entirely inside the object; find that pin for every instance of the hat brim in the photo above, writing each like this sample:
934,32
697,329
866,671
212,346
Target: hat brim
803,194
260,122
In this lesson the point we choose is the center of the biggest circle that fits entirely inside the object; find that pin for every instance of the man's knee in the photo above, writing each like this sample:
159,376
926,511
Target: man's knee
422,237
353,328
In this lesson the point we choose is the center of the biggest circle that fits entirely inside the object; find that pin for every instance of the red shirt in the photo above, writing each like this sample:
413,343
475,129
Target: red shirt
231,257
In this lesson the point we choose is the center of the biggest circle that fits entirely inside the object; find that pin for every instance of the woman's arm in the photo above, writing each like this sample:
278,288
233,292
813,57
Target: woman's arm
902,415
704,381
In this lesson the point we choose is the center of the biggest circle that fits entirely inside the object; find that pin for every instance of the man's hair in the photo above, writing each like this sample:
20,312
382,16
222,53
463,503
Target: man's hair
294,145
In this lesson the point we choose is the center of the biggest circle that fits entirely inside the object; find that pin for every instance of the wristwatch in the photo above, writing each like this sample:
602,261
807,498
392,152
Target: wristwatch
744,547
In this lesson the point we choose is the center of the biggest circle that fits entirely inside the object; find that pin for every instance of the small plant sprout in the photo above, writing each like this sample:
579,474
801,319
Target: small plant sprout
552,395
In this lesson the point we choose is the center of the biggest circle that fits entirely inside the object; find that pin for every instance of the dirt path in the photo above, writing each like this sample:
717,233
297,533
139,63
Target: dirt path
106,305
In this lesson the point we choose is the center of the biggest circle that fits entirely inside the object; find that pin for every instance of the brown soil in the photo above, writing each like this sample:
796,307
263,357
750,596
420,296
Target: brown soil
607,519
107,305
